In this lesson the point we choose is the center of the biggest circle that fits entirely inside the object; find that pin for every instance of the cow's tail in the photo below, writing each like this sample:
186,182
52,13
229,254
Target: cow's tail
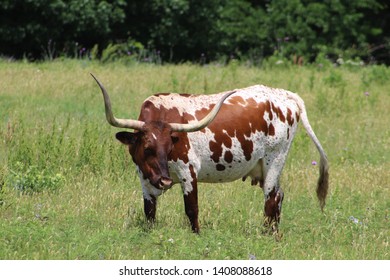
323,180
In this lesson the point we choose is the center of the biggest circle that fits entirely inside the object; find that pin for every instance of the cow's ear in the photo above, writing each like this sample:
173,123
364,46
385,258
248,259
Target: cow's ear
175,137
127,138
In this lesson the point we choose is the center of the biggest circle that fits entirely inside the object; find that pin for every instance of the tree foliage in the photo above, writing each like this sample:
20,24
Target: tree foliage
38,27
181,30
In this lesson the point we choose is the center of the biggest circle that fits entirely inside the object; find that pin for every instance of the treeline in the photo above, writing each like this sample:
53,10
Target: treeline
196,30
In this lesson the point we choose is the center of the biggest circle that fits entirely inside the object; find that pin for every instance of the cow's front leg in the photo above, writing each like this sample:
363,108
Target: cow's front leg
189,184
191,208
150,195
150,204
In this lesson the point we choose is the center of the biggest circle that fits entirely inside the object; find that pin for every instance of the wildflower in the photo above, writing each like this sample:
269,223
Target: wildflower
170,240
366,93
355,220
313,162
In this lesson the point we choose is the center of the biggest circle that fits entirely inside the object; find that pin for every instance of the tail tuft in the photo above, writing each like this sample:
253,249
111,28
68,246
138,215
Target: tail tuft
323,183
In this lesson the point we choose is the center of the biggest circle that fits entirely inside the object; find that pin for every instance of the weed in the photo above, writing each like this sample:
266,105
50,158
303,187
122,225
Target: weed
29,179
334,78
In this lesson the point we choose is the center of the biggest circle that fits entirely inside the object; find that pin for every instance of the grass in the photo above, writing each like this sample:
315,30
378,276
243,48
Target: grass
82,199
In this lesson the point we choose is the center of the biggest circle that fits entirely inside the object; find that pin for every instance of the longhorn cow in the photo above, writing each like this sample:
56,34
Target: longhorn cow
187,139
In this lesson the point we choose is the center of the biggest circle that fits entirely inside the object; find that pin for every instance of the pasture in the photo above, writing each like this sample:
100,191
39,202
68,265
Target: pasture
69,190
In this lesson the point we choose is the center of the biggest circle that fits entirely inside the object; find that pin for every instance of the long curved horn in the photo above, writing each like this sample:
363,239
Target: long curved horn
123,123
195,126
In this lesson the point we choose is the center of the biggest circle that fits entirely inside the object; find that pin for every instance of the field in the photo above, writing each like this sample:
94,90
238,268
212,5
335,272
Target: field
69,190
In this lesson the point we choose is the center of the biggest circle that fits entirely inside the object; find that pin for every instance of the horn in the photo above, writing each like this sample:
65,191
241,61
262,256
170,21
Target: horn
195,126
123,123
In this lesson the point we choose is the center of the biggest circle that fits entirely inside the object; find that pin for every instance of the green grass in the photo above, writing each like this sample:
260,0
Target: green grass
83,200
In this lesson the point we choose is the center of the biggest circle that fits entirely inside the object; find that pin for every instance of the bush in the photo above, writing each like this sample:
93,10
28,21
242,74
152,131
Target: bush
130,51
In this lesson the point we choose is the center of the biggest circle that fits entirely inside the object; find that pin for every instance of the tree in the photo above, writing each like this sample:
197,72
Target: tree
179,29
35,27
182,30
307,27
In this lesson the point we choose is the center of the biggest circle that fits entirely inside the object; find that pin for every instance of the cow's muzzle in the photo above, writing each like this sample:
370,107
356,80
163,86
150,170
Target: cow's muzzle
164,183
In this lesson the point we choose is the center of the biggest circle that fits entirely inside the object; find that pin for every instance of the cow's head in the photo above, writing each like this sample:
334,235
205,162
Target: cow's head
149,149
152,142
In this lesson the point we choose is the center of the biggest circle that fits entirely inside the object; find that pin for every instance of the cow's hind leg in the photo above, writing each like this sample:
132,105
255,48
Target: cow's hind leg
273,194
273,209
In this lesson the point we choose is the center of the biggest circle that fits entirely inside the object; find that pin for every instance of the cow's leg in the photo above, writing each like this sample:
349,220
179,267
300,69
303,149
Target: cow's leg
273,209
191,208
150,204
150,195
190,194
273,194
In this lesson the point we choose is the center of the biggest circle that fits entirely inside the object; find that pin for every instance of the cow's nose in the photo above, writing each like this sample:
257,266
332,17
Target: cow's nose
165,182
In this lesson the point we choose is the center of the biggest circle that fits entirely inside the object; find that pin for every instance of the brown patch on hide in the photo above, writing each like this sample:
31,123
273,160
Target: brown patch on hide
228,157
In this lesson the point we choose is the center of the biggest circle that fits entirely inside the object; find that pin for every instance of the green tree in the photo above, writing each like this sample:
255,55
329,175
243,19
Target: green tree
33,27
308,27
181,30
241,29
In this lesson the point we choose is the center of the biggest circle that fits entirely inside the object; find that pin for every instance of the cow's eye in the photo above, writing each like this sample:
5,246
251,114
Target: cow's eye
148,152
